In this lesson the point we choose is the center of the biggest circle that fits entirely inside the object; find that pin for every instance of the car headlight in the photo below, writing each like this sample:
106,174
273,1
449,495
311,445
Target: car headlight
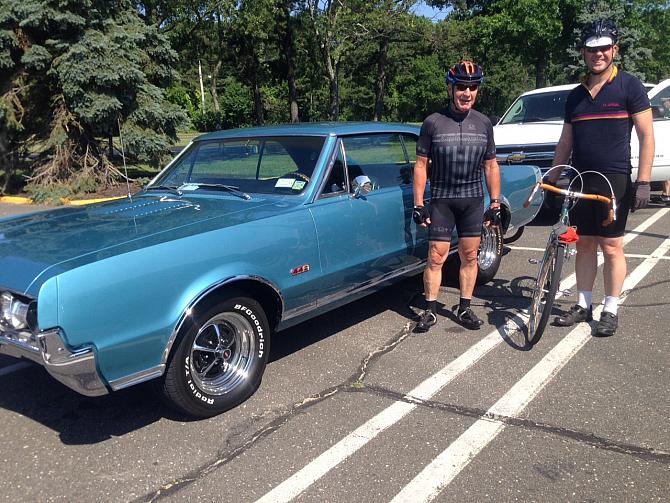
16,313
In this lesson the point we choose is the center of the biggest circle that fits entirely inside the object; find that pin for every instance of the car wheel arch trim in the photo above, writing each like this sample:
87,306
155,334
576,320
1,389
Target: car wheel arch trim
205,294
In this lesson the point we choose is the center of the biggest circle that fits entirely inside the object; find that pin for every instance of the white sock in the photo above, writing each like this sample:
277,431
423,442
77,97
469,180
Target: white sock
584,299
611,304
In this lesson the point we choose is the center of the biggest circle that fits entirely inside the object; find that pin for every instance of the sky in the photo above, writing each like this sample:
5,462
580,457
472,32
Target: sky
425,10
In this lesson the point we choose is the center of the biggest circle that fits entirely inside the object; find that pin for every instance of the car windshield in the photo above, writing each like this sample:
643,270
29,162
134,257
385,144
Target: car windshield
537,108
262,165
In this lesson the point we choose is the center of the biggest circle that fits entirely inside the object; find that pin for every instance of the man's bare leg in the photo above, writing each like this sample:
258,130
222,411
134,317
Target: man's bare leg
614,274
438,251
468,249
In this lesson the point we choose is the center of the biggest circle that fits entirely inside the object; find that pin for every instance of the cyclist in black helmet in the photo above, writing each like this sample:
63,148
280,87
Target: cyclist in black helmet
599,117
459,143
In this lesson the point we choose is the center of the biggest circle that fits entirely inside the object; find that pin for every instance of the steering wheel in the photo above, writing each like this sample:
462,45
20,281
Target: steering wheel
296,174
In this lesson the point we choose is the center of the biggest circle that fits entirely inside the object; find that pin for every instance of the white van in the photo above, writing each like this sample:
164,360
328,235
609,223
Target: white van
529,130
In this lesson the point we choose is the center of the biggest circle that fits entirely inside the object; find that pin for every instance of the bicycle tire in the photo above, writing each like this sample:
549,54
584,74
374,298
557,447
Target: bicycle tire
544,292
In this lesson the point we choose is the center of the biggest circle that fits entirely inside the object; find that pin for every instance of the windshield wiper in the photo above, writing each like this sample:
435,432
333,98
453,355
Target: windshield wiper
169,188
228,188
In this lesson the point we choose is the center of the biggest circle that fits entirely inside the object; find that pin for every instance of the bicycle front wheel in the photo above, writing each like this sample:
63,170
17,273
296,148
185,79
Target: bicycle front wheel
544,293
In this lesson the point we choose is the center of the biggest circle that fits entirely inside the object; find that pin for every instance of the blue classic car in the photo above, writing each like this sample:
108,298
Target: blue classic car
245,233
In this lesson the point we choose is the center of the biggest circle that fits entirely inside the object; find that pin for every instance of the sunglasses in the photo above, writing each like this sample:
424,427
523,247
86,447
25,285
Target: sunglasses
463,87
602,48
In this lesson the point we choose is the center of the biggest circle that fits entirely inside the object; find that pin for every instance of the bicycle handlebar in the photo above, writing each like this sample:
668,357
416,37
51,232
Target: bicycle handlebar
610,202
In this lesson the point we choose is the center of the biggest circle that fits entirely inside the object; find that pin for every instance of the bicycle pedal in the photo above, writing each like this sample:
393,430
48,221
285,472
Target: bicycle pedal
533,261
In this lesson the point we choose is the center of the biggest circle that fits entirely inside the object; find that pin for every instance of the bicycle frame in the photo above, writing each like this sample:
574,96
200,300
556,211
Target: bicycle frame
557,251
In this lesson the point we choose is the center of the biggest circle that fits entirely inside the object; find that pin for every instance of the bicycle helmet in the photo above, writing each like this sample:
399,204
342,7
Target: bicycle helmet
465,72
599,33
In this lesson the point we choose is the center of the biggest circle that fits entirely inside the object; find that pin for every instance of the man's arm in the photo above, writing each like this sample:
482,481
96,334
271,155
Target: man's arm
492,175
644,127
562,153
420,178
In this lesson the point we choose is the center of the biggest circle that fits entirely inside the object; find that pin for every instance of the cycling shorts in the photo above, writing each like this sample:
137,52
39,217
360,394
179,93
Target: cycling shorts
589,215
464,213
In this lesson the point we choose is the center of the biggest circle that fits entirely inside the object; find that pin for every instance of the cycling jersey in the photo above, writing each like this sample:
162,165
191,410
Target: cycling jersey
457,146
601,126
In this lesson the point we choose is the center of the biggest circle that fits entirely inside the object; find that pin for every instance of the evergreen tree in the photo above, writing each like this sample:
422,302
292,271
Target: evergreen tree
73,72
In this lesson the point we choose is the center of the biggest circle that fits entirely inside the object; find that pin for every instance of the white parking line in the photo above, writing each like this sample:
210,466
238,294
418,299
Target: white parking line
13,368
628,237
627,255
441,471
313,471
316,469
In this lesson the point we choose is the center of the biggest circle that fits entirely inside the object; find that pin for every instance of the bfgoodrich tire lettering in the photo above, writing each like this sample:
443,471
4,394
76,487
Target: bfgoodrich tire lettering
220,358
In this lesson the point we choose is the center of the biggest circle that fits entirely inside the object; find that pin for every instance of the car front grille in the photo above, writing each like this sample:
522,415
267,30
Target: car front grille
540,155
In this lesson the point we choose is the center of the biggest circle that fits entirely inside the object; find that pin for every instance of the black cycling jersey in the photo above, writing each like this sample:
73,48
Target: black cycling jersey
601,126
457,146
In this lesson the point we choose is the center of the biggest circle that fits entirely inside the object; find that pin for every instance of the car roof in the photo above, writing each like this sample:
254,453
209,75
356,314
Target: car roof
565,87
652,89
311,129
658,88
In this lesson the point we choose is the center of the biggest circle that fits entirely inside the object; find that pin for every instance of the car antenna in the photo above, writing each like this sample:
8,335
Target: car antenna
123,156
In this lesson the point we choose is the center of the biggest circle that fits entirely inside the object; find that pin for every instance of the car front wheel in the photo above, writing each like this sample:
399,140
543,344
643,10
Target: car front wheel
220,359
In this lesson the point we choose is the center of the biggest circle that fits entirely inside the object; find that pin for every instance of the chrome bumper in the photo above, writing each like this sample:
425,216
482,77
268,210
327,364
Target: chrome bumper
75,369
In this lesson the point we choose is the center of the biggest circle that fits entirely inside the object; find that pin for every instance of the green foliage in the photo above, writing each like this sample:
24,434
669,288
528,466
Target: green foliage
72,72
178,95
57,192
85,67
420,90
235,108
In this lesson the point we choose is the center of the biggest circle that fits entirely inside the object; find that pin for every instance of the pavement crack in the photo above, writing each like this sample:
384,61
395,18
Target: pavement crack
379,352
591,439
297,408
354,383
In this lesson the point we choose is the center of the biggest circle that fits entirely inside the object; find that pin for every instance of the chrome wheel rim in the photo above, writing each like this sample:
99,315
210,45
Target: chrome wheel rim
222,353
488,248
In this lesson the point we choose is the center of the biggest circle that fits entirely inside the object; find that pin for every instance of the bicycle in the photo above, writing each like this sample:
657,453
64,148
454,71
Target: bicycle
558,249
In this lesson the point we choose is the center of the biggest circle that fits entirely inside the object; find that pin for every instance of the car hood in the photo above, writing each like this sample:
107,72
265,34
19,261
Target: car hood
38,246
527,133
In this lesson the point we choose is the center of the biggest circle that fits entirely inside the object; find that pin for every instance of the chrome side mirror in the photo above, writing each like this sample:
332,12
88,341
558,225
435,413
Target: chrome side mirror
362,186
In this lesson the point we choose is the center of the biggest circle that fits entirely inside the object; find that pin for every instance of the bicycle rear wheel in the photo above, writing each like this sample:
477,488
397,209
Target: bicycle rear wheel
544,293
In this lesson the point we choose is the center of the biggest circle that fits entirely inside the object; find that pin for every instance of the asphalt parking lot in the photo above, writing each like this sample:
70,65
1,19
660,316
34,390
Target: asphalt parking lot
355,407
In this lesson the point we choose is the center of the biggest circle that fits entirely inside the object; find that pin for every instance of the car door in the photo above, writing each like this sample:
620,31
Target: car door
365,240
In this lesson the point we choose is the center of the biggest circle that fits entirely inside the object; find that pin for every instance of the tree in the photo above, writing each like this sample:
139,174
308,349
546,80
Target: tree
385,24
334,26
287,26
86,68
